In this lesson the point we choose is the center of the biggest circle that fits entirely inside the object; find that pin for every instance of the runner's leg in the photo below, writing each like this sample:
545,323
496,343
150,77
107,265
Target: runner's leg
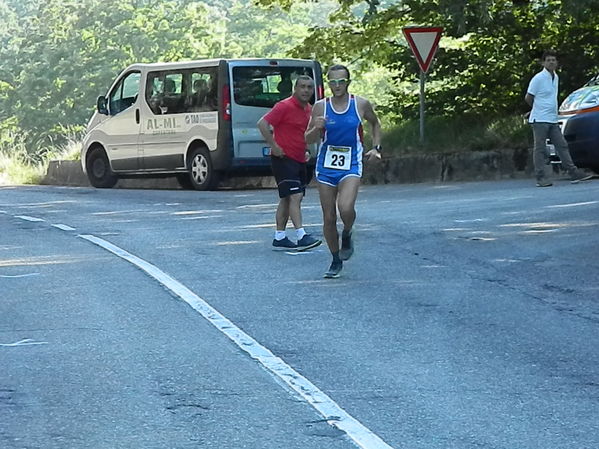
346,201
328,199
348,191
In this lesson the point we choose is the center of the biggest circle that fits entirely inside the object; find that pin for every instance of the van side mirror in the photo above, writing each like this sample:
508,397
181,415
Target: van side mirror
101,105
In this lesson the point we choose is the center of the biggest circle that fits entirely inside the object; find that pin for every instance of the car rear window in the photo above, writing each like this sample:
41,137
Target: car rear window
265,86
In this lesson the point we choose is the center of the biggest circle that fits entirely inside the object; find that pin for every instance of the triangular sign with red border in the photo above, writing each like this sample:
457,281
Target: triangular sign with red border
424,42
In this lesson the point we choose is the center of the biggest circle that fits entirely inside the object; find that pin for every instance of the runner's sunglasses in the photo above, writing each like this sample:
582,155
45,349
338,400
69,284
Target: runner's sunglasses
338,82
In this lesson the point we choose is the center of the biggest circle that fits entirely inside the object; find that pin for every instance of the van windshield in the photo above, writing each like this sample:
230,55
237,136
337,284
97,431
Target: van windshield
265,86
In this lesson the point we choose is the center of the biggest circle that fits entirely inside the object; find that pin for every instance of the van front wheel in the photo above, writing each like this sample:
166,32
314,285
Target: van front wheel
201,173
99,172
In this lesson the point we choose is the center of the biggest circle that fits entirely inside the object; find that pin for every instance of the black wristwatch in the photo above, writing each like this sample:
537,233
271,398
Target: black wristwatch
378,148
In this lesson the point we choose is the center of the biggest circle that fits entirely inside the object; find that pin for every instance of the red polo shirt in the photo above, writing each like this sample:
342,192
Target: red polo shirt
289,120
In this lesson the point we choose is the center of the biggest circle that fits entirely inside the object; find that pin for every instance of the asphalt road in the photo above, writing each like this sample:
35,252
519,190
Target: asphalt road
467,318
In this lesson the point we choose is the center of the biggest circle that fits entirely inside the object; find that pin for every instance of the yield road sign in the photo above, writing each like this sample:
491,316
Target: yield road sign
424,42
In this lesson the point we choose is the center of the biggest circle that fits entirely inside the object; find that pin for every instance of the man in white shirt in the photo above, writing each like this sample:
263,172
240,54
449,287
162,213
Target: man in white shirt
542,97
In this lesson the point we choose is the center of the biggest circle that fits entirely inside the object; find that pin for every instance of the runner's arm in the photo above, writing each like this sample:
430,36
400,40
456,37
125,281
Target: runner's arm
367,111
316,124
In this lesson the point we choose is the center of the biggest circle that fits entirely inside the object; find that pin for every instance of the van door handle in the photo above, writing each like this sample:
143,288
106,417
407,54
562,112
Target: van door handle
137,116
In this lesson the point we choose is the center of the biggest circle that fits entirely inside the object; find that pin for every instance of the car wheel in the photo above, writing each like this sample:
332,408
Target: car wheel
99,172
201,172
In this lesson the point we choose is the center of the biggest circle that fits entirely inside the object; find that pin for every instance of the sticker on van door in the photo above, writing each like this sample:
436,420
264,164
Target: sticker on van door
164,125
194,119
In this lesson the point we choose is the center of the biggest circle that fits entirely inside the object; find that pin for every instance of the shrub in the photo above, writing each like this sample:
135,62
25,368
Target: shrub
20,165
457,134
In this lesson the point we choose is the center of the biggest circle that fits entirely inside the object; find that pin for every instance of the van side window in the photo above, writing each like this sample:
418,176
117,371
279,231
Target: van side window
202,95
164,92
124,93
153,91
263,86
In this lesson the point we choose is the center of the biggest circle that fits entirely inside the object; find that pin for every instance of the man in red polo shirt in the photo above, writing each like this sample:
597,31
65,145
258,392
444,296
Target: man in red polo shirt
288,155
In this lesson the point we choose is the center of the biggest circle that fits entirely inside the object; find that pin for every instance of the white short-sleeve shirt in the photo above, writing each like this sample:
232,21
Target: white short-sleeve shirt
544,88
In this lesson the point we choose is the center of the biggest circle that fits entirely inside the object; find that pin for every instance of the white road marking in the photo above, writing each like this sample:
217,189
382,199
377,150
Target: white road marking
572,204
238,242
201,217
63,227
329,409
26,218
256,206
18,275
473,220
26,342
195,212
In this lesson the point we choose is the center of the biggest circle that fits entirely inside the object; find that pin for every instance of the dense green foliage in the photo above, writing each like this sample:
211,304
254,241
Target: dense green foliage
58,55
489,51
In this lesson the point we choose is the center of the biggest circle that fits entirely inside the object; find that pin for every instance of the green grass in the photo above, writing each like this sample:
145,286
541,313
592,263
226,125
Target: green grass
22,164
458,134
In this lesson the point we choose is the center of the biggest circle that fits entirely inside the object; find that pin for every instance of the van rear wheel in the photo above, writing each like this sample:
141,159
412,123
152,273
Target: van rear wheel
201,172
98,168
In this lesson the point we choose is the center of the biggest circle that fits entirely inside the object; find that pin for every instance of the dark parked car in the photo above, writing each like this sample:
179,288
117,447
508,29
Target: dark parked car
579,120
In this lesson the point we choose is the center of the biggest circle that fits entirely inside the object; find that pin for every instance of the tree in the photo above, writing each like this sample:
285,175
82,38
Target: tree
67,52
488,53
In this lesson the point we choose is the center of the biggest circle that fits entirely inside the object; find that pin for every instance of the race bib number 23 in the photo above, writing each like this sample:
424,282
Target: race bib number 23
337,158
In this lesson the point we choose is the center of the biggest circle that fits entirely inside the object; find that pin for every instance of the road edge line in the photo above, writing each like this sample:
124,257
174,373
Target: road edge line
323,404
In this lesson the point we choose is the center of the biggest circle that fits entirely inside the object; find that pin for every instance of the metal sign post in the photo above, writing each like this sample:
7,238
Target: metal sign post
424,42
422,81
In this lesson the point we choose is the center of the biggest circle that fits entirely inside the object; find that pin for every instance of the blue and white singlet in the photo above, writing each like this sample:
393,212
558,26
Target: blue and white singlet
340,154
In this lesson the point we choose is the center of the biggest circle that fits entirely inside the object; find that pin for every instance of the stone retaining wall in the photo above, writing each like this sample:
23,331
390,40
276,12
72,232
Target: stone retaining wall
472,166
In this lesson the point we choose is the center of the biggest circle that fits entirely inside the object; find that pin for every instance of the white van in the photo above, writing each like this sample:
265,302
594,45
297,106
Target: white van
195,120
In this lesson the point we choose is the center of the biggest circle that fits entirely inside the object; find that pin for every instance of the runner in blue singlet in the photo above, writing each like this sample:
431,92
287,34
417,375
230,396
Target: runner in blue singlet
338,121
340,154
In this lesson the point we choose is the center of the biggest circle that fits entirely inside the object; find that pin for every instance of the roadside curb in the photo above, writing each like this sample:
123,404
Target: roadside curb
436,168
